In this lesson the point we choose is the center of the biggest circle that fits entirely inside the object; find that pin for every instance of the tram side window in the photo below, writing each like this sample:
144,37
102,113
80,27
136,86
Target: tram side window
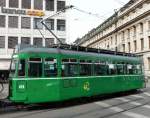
85,68
50,67
100,69
13,68
35,67
130,69
21,68
120,69
69,68
137,69
112,69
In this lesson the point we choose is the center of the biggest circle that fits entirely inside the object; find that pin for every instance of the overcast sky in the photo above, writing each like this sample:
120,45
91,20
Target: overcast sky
78,23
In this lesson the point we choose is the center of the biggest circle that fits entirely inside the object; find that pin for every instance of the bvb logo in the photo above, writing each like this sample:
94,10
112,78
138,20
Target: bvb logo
86,86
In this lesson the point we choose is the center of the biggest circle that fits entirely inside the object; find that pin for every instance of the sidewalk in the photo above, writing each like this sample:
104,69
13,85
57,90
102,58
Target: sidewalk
4,93
148,83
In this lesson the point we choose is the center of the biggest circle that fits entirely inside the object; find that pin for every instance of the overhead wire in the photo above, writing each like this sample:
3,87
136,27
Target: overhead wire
119,2
88,13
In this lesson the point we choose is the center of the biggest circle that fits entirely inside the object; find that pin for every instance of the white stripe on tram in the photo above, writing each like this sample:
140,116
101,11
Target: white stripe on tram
28,78
117,109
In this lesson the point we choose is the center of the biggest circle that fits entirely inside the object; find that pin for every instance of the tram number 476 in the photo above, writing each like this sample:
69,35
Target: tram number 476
21,86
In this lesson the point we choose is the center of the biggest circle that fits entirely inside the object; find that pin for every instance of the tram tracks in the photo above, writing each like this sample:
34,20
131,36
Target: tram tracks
7,107
120,111
117,108
35,111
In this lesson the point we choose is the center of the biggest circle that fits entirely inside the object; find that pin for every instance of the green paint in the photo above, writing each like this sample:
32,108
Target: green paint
38,90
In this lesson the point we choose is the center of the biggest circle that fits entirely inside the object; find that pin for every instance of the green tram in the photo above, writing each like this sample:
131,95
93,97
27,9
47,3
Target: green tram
51,74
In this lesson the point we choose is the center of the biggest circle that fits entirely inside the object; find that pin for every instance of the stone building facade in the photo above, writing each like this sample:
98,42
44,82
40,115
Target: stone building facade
128,30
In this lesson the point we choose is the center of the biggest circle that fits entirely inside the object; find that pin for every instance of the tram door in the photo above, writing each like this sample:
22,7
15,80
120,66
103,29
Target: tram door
69,73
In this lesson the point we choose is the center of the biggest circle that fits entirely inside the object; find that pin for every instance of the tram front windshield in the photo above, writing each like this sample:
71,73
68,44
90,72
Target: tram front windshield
13,68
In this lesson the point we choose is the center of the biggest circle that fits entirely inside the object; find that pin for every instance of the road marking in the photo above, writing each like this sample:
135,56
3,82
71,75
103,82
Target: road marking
134,115
130,102
137,96
147,106
123,99
102,104
148,94
117,109
133,103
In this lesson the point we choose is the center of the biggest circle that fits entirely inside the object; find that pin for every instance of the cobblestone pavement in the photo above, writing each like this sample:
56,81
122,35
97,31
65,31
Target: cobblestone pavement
136,105
131,106
4,93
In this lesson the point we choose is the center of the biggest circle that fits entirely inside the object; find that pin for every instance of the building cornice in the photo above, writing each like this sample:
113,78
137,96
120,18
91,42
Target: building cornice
123,26
118,16
131,9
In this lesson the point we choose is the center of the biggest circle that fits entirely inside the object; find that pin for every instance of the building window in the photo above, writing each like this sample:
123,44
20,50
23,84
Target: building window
2,42
111,41
50,23
26,4
149,63
135,46
108,46
13,3
25,40
123,46
37,23
25,22
116,39
60,5
129,47
37,41
2,20
148,25
62,40
12,42
142,44
49,41
134,30
123,35
13,22
149,41
49,5
38,4
2,3
61,25
141,27
128,33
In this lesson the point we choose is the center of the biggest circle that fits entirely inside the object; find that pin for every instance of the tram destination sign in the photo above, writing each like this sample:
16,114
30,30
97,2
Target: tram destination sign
22,12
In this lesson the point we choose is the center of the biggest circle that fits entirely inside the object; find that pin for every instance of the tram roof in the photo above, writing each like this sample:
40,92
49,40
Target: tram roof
32,50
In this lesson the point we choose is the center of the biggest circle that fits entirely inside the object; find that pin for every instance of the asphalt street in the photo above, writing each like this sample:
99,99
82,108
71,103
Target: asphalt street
134,105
